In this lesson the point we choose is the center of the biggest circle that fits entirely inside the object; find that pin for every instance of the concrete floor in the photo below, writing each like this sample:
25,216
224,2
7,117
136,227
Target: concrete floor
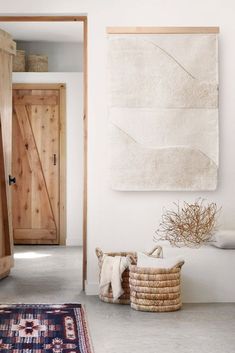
53,275
44,274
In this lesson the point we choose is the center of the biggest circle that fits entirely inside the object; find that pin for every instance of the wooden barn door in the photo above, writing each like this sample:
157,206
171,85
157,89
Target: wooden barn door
7,50
36,164
6,254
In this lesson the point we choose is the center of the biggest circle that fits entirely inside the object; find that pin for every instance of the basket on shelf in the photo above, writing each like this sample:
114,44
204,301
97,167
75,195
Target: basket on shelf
19,61
125,298
37,63
155,289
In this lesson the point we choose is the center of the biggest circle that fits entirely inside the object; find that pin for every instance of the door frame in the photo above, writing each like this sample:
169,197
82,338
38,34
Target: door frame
61,87
7,261
83,19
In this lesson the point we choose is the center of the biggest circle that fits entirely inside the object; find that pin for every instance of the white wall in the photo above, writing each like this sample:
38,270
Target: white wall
62,57
74,136
127,220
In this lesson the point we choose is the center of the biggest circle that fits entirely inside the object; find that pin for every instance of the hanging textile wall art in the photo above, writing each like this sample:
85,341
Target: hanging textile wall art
163,111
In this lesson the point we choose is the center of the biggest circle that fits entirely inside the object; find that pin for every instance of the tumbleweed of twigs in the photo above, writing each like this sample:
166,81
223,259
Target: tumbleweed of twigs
189,224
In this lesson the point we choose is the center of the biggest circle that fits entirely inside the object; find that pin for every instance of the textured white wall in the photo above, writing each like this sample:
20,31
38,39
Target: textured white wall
127,220
74,136
62,57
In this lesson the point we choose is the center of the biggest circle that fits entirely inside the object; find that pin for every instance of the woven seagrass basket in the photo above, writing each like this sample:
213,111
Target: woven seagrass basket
37,63
19,61
155,289
125,298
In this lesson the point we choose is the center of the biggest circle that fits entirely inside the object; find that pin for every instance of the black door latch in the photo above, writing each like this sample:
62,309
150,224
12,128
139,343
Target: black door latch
12,180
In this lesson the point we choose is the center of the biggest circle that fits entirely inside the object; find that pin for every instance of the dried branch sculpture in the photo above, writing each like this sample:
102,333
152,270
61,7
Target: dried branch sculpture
189,225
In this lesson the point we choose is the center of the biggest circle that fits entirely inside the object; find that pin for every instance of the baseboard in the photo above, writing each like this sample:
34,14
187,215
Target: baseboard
91,288
73,242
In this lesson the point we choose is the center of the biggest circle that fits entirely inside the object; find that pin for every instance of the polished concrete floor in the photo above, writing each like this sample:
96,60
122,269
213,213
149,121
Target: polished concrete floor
44,274
53,275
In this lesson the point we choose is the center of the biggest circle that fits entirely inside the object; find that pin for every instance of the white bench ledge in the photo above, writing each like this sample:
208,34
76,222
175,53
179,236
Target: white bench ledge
208,274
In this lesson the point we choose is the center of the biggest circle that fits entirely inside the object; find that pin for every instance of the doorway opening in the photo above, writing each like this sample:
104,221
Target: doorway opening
32,32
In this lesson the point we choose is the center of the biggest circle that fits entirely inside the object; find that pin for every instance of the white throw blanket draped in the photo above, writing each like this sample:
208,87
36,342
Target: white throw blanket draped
111,274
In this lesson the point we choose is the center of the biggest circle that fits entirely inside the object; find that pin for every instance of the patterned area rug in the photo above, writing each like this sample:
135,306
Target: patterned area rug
43,328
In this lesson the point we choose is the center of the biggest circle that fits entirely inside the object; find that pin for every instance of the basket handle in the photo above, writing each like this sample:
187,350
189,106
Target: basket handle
99,253
179,265
156,251
132,259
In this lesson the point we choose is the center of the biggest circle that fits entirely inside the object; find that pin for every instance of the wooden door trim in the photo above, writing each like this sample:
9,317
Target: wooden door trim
62,148
43,18
4,201
83,19
85,153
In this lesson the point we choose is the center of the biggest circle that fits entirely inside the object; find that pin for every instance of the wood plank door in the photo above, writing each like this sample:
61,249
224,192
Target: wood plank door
36,157
6,253
7,50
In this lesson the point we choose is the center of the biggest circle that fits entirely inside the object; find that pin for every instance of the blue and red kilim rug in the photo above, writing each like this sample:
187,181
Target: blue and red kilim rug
42,328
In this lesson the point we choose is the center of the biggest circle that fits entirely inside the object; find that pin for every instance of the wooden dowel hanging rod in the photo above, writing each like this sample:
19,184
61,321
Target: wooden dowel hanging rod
162,30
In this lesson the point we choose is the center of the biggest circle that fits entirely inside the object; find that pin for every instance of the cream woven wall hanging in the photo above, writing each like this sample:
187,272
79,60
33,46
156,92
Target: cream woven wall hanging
163,109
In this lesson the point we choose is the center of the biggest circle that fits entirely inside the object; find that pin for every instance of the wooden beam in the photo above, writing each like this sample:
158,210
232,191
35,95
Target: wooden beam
43,18
162,30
